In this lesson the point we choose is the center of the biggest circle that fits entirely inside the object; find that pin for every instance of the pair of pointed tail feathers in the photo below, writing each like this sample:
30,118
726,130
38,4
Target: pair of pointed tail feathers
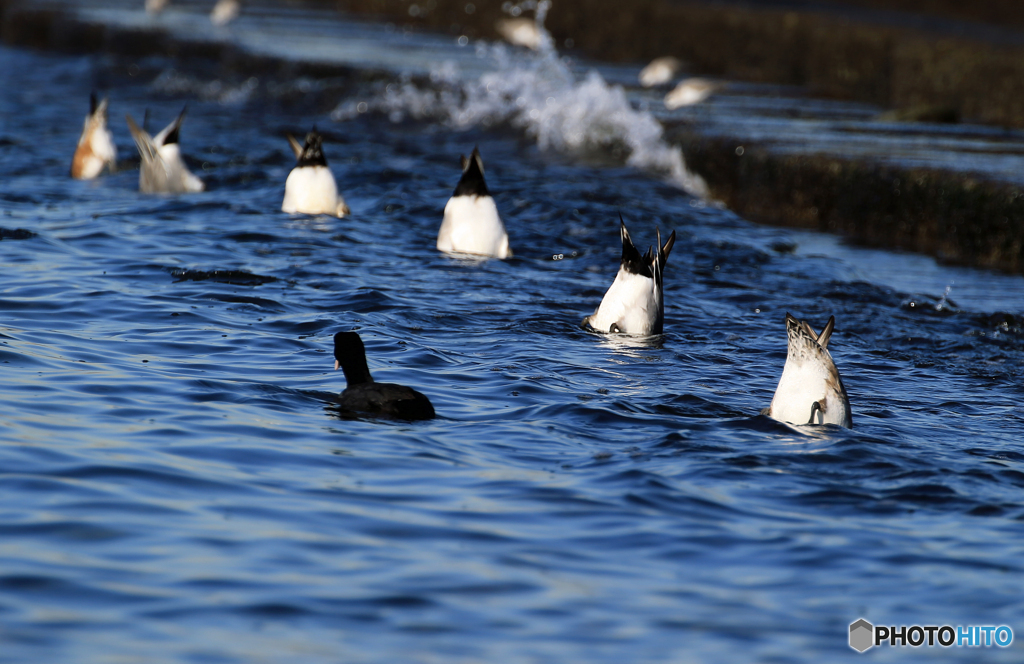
163,170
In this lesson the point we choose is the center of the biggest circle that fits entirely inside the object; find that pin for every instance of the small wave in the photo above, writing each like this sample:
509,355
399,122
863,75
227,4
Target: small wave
539,94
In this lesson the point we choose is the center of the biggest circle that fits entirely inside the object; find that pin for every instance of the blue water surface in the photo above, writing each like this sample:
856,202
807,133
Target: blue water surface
177,487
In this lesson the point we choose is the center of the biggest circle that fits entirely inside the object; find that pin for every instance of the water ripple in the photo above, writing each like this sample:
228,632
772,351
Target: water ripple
179,487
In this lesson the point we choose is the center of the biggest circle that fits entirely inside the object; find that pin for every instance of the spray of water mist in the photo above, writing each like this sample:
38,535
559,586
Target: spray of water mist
538,93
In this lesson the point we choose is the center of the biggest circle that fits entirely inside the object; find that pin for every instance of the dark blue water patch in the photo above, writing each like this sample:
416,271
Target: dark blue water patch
1003,321
17,304
19,359
256,304
253,237
54,588
689,405
860,292
362,300
924,305
234,277
73,531
362,610
15,234
25,199
158,481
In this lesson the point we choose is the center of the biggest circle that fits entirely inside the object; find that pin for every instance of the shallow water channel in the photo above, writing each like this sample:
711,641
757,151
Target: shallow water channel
177,487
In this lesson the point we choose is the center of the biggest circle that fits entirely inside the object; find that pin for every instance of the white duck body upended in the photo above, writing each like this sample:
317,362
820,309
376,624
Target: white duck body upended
689,92
311,187
225,11
521,32
156,6
471,222
162,170
96,148
810,390
635,302
660,71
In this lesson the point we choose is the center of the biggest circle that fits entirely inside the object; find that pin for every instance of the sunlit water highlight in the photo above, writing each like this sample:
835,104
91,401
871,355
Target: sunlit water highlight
176,487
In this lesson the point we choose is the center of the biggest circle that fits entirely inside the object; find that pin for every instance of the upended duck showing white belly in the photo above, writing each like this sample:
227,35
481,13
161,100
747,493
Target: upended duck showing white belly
471,223
312,190
311,187
635,302
810,390
96,149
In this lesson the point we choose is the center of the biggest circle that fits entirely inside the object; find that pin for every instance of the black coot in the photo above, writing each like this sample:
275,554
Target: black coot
363,395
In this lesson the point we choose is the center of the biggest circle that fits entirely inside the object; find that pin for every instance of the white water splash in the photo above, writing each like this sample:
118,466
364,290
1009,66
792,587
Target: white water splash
943,302
538,93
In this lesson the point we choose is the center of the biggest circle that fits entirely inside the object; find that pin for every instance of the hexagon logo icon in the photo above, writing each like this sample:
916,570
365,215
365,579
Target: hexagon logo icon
862,635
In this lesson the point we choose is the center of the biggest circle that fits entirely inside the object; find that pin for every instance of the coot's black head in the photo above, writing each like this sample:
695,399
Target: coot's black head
313,150
472,181
350,355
